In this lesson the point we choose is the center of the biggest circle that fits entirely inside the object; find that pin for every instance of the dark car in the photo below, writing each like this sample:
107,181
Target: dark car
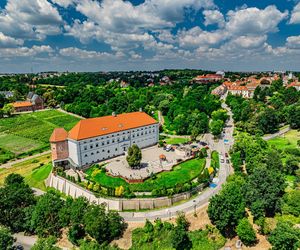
226,155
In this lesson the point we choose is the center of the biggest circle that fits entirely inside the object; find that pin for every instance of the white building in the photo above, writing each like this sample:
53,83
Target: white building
97,139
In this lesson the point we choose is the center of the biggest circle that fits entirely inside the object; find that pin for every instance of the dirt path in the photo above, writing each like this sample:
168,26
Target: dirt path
161,119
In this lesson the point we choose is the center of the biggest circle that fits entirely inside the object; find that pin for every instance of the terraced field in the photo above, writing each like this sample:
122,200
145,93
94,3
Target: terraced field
27,134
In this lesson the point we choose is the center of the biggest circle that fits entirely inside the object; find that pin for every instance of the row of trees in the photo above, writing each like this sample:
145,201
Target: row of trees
48,214
259,186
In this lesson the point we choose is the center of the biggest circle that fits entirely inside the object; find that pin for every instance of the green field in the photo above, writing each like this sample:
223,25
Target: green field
34,170
176,140
182,173
26,134
288,140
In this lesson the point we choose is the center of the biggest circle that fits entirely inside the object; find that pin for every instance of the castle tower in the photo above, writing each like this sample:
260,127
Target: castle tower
59,146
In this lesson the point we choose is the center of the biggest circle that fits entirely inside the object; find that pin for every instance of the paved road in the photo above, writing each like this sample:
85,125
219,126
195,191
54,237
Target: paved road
10,163
204,196
279,133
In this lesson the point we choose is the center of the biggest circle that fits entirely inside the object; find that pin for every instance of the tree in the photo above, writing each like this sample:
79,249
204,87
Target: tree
263,191
134,156
285,237
293,115
228,207
180,239
6,239
76,233
291,203
106,227
268,121
45,217
45,244
220,114
8,109
216,127
246,232
15,198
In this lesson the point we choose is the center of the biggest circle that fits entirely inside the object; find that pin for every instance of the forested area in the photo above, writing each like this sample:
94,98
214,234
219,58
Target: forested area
270,107
187,107
258,190
89,226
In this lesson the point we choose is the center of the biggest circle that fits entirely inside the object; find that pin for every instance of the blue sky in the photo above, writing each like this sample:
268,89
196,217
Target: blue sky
89,35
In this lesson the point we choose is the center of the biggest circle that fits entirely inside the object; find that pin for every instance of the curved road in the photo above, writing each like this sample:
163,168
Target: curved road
204,196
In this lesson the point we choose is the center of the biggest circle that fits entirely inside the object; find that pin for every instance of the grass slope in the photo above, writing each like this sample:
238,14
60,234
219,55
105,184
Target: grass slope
182,173
27,134
34,170
288,140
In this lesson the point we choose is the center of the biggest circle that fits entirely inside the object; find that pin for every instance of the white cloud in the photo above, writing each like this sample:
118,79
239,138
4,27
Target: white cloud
6,41
30,19
293,42
213,17
25,51
77,53
254,20
63,3
295,16
196,37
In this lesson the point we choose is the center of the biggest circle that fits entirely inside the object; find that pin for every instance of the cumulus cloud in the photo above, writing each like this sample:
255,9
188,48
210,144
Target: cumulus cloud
6,41
25,51
213,17
254,20
30,19
295,16
293,42
77,53
196,37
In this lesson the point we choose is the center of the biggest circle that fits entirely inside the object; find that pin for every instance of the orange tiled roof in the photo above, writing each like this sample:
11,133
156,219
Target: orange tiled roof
22,104
294,84
59,134
93,127
238,88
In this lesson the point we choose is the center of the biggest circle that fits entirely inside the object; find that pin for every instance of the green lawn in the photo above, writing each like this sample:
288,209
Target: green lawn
215,162
175,140
27,134
34,170
182,173
288,140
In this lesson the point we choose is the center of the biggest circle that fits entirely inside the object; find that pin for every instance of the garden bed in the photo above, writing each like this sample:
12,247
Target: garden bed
181,174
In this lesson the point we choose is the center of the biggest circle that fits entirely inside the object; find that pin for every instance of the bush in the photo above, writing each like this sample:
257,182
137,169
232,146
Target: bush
246,232
76,232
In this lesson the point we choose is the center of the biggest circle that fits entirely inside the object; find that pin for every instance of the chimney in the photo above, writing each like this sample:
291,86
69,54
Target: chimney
114,114
141,110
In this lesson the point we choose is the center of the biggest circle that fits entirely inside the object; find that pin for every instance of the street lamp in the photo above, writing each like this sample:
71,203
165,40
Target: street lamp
195,205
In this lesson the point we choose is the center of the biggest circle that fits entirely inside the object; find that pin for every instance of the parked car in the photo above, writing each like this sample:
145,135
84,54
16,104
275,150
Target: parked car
168,148
227,161
226,155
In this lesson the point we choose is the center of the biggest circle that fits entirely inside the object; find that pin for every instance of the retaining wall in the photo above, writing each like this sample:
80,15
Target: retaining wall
69,188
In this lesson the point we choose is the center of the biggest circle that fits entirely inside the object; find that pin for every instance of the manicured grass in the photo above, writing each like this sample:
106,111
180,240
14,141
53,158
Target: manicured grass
215,162
34,173
37,176
288,140
26,134
176,140
182,173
